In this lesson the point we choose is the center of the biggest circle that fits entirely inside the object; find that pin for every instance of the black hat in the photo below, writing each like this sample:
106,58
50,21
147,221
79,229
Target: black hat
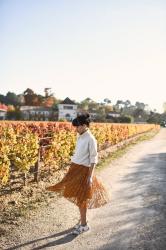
81,120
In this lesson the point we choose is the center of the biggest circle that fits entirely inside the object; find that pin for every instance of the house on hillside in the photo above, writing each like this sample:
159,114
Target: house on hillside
112,116
3,111
67,110
38,113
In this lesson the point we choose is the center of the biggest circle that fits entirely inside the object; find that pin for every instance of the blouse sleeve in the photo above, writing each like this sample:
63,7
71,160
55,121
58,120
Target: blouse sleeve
93,150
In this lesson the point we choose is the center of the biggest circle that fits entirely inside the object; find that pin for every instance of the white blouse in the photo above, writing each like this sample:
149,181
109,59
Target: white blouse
86,150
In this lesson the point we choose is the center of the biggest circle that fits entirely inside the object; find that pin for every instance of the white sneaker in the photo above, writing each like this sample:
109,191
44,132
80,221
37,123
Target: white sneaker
78,224
81,229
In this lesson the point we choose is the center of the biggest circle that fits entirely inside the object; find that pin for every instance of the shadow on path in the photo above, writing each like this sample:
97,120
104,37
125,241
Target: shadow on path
67,238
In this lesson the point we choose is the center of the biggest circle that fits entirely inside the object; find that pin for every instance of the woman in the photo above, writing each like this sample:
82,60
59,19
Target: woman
80,185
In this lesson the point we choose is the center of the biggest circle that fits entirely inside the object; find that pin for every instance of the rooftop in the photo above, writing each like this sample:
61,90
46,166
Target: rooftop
68,101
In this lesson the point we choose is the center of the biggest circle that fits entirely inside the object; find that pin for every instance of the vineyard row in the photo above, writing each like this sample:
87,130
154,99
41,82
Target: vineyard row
23,144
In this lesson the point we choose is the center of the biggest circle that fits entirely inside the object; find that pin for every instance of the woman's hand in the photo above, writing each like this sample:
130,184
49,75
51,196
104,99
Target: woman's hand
90,180
90,177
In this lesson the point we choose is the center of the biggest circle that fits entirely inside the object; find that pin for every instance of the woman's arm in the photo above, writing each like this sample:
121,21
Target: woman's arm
91,171
93,158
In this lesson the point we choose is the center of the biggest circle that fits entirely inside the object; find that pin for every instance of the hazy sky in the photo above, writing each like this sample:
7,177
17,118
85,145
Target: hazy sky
85,48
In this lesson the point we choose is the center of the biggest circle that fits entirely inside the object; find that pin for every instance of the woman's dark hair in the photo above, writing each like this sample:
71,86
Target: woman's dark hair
81,120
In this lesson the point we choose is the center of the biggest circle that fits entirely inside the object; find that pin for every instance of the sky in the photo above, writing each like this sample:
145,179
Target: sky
91,48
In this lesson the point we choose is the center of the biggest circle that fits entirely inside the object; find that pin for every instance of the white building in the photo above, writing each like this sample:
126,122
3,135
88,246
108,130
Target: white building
3,113
37,113
113,114
67,110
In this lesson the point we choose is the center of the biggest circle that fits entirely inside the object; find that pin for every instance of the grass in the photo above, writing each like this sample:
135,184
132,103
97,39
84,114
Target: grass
124,149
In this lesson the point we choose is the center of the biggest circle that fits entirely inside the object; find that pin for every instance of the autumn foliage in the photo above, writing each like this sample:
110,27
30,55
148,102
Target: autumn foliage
21,142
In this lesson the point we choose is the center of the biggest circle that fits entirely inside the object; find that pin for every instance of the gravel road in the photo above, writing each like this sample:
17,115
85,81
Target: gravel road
135,218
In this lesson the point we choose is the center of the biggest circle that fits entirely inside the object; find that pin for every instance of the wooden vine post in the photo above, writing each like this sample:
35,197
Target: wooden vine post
37,167
37,164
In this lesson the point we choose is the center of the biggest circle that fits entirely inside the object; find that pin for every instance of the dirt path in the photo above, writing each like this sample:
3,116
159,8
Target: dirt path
135,219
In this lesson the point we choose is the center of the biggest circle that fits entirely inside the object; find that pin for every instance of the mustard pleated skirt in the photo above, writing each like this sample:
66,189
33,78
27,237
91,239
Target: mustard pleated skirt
75,188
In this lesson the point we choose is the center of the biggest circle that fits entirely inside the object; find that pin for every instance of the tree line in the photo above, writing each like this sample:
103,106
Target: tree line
104,111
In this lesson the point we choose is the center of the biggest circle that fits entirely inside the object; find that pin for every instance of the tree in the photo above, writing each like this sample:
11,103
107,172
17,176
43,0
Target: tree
14,114
119,106
85,103
107,100
108,108
28,92
140,105
10,108
40,100
49,101
127,103
31,99
125,119
12,98
138,113
3,99
154,118
101,115
21,99
119,102
48,92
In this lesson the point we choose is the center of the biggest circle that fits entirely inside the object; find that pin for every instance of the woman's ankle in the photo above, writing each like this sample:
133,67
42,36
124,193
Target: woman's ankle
84,223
